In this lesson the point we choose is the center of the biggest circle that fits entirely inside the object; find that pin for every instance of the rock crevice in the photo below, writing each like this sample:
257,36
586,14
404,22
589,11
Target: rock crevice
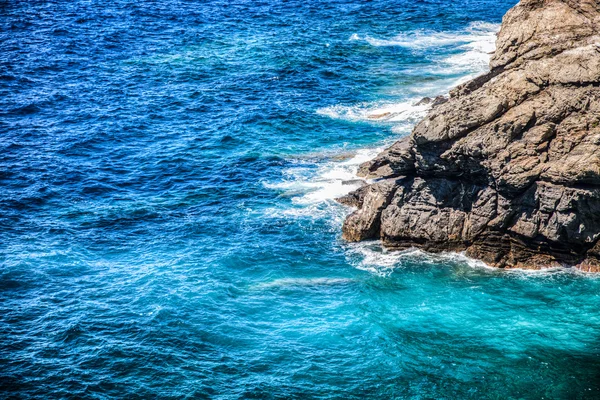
508,168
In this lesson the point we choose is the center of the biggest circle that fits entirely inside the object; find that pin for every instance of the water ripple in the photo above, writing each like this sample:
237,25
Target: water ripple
168,174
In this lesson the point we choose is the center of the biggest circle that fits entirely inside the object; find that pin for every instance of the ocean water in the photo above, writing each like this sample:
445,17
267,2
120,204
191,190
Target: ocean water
168,225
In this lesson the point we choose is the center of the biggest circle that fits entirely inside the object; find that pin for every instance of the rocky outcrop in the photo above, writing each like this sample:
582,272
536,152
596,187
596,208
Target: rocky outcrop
508,168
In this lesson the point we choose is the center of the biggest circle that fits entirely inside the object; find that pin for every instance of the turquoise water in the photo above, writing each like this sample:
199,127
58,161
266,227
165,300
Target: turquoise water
168,171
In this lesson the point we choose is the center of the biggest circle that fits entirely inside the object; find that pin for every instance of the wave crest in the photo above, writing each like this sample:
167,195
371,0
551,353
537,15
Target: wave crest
477,35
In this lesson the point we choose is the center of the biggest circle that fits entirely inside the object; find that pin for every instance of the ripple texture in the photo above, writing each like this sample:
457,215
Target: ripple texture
168,228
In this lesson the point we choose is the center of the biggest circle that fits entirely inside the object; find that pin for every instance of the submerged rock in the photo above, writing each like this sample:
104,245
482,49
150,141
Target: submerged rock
508,168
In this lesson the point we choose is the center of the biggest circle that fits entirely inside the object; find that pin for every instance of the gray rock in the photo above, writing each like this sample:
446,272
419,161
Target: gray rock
433,102
508,168
424,101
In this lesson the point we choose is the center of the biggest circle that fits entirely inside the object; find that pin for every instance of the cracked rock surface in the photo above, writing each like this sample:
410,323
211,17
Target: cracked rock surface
508,169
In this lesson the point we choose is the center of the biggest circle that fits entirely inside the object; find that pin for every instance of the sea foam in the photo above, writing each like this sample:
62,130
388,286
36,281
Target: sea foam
477,36
313,191
372,257
393,112
467,54
302,283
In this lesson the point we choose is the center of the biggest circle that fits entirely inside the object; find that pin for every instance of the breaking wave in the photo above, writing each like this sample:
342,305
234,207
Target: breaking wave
475,32
313,191
455,58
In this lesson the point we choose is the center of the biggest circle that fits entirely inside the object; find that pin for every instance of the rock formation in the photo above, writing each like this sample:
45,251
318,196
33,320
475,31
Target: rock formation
508,169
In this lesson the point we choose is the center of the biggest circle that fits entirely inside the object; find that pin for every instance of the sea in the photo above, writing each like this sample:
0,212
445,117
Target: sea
168,223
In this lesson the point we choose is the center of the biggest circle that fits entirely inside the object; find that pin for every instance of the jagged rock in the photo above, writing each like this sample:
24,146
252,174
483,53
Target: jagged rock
394,161
439,100
433,102
508,168
424,101
372,200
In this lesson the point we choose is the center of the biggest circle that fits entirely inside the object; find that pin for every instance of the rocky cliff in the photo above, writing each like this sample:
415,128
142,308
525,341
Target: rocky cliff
508,169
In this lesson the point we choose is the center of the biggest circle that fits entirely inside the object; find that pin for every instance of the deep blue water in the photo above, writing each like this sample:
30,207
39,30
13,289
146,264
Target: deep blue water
168,228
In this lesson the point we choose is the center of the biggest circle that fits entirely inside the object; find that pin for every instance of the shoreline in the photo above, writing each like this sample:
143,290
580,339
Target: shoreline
506,169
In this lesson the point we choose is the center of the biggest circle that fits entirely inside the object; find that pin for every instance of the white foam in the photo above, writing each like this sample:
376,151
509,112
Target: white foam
393,112
373,257
470,47
480,33
302,282
313,192
474,47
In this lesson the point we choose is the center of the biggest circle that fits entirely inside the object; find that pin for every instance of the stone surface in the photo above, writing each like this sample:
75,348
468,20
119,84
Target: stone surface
508,168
